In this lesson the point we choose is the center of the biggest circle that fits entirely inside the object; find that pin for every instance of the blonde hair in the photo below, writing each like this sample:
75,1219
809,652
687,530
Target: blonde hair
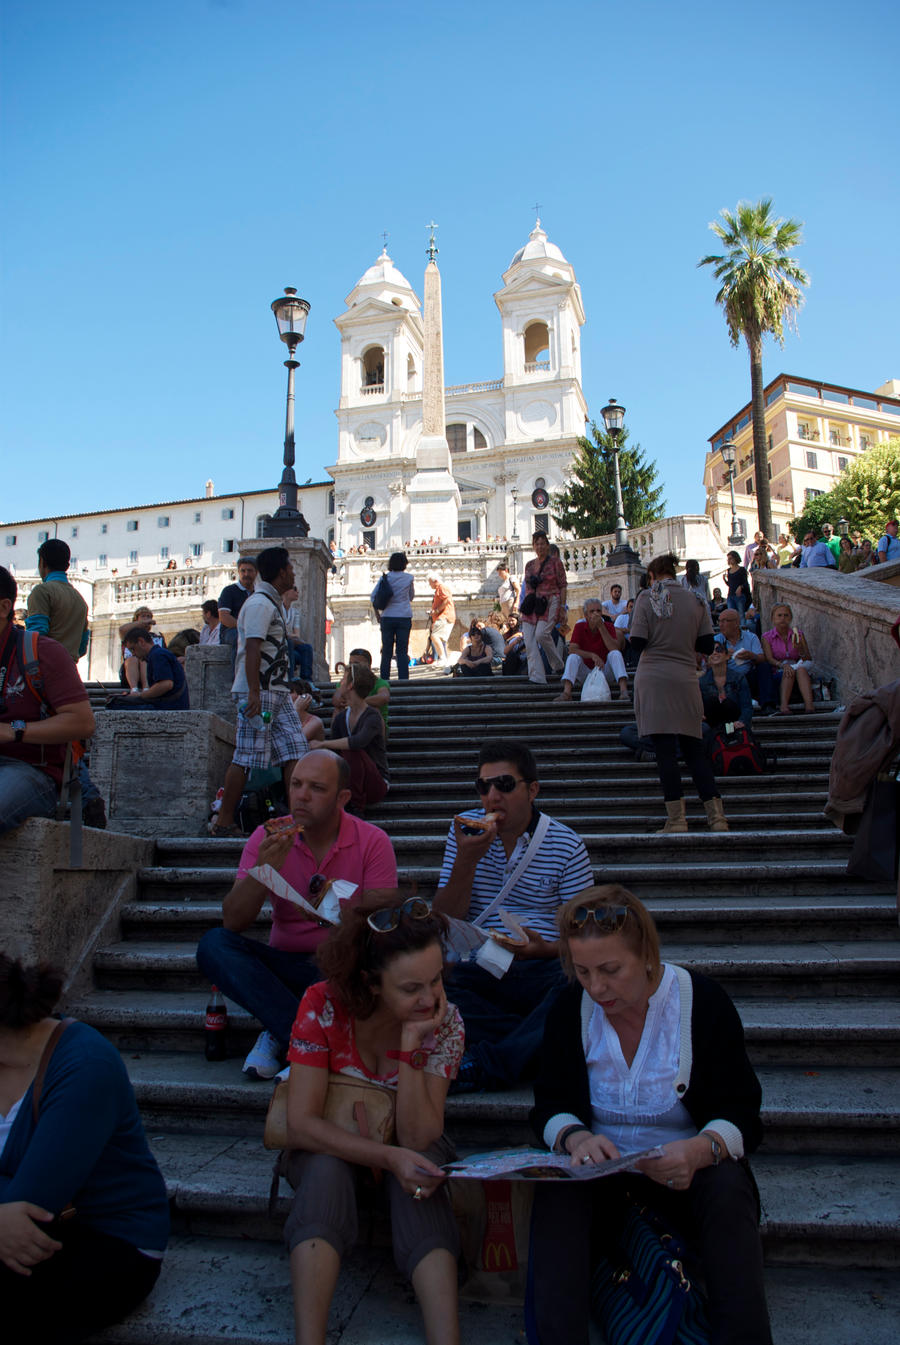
637,928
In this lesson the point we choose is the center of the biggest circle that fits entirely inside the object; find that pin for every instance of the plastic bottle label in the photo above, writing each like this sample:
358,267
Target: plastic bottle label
216,1021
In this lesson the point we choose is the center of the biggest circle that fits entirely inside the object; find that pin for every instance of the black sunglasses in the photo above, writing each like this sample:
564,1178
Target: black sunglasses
505,783
607,917
386,918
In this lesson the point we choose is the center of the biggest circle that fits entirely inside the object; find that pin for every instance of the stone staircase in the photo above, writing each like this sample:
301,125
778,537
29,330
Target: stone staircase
810,956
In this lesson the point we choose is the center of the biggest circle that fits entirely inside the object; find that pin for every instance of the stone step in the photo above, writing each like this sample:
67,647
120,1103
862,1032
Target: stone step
698,918
833,1109
811,1031
216,1291
829,1210
590,810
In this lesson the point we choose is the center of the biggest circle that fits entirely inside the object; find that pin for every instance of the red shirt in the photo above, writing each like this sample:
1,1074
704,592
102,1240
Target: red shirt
62,686
361,854
592,641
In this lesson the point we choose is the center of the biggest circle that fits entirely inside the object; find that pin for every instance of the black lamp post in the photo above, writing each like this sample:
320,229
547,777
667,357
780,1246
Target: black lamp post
287,521
622,553
729,453
514,492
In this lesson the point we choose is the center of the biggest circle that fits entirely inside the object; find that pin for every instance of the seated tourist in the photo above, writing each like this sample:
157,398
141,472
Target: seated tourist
357,734
300,653
34,743
84,1214
745,654
476,659
380,1017
640,1053
268,979
504,1018
134,675
166,687
718,605
787,653
492,640
726,695
515,655
380,697
615,604
594,644
212,626
304,700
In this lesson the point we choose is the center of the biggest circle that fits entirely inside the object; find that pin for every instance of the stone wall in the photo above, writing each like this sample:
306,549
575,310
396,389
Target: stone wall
846,619
159,769
50,911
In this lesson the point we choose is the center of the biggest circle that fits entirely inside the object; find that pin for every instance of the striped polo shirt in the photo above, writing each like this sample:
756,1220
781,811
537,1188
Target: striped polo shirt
558,871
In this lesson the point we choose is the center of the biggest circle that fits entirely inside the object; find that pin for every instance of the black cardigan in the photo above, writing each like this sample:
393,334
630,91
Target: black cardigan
722,1083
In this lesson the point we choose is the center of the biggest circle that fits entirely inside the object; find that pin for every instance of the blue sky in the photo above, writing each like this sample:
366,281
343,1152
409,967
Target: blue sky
169,167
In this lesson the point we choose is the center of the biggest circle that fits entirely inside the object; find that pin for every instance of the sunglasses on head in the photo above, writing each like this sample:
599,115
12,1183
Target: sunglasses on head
607,917
505,783
386,918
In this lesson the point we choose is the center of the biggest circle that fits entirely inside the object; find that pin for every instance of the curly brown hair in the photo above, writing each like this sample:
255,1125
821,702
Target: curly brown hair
27,994
353,956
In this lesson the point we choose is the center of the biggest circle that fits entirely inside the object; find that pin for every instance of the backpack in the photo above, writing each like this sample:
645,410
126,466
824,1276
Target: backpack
29,663
382,595
263,797
737,751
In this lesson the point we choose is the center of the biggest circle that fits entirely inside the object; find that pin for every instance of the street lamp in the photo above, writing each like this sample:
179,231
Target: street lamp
341,514
290,315
514,492
729,453
622,553
843,527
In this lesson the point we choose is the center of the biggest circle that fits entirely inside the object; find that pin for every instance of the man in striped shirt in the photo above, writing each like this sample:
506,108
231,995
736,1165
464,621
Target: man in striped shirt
505,1017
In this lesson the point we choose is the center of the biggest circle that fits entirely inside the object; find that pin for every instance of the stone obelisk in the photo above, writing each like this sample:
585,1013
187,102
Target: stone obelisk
432,492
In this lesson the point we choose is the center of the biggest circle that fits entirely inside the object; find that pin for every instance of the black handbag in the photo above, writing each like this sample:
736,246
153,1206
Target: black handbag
874,854
383,594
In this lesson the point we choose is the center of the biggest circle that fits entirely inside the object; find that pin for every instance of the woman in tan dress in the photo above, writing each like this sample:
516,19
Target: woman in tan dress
670,626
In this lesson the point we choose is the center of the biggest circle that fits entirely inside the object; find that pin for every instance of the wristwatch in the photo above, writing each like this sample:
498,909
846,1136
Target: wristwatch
717,1153
418,1058
18,728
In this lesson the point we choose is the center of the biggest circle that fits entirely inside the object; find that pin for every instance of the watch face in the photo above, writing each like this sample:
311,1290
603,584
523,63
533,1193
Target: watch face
418,1058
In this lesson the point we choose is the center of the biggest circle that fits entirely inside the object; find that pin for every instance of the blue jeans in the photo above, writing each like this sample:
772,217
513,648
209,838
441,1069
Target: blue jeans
25,791
267,982
505,1018
738,603
301,659
395,630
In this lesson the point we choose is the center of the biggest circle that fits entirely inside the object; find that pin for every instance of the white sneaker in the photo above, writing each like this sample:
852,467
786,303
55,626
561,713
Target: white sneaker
264,1061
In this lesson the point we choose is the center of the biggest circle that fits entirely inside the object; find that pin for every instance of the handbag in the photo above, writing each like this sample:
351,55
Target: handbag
382,595
596,687
648,1299
875,850
356,1105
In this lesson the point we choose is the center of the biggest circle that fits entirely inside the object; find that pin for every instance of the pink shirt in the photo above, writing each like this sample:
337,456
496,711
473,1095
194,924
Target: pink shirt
361,854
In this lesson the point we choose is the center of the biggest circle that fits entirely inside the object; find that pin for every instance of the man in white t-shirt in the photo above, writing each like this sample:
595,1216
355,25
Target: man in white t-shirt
261,687
615,604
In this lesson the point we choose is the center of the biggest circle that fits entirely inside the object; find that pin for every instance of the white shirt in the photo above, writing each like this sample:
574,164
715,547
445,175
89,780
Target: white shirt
636,1106
614,608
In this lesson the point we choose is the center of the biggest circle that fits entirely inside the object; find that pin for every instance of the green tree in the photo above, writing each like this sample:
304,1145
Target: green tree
760,292
867,494
587,506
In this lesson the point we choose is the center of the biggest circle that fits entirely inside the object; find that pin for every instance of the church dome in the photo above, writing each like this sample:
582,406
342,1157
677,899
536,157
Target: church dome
538,248
384,272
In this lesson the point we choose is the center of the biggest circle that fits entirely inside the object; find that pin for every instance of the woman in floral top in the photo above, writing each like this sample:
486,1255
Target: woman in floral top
381,1016
542,604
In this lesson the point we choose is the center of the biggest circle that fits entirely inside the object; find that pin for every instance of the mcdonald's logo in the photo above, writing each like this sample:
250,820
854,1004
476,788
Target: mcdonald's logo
498,1256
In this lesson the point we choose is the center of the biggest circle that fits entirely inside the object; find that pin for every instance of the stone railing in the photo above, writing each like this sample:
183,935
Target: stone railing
170,587
371,389
537,366
461,389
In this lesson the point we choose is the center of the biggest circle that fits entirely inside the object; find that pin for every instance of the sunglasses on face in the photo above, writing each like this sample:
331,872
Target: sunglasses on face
505,783
387,918
607,917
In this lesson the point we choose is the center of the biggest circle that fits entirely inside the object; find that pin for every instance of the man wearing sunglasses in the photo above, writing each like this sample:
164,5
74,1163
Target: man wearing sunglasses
505,1017
268,980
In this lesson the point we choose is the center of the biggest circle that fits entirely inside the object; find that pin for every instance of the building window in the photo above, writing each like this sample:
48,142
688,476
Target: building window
101,560
162,521
330,538
865,441
228,545
478,439
842,464
542,523
261,524
132,558
373,367
164,553
73,561
748,485
43,537
456,438
812,462
74,533
228,513
464,530
10,539
104,528
330,505
131,525
369,539
810,494
537,347
198,517
834,437
196,548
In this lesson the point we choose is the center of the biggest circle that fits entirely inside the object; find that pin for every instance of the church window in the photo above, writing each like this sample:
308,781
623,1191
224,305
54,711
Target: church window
478,439
537,347
542,523
330,509
456,438
373,367
464,530
410,374
369,539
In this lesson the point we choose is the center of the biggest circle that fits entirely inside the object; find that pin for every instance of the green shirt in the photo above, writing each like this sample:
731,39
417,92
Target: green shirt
380,684
57,609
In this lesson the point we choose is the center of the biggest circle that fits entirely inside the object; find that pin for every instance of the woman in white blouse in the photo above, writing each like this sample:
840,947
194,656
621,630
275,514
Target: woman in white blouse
640,1053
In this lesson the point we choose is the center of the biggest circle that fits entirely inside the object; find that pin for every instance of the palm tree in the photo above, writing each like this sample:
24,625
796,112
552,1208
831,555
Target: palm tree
760,293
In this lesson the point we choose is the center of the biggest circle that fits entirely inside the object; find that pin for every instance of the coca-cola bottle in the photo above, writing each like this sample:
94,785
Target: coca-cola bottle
216,1023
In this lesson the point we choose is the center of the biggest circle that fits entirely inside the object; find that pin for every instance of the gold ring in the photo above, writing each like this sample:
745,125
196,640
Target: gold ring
417,1194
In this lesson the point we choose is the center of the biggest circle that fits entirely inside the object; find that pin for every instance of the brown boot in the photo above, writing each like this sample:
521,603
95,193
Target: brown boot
677,821
715,815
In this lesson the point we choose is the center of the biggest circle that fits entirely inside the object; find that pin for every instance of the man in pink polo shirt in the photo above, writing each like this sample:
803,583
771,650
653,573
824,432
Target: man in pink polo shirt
269,979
